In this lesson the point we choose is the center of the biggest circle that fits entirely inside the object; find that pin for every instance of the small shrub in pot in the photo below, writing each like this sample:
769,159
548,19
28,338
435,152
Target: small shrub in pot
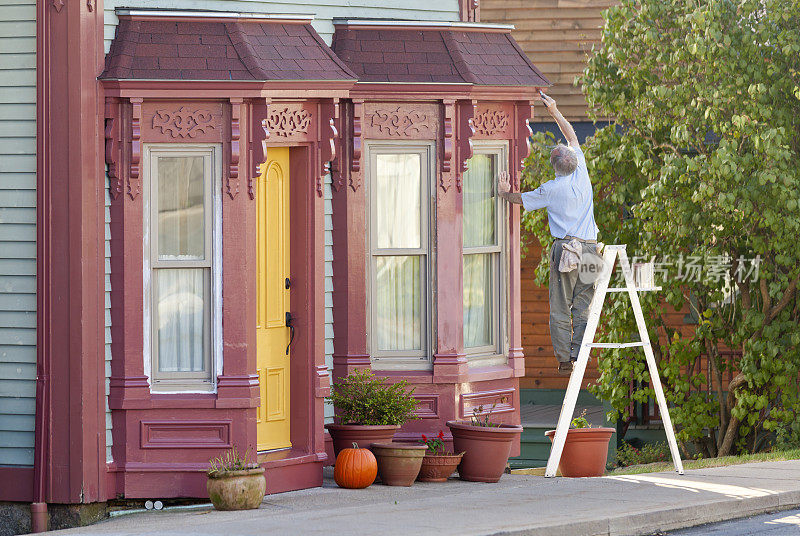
234,482
368,409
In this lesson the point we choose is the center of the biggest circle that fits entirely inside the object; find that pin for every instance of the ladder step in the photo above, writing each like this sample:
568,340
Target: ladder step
616,344
638,289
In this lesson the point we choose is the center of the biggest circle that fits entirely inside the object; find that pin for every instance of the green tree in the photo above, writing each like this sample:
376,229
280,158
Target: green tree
702,161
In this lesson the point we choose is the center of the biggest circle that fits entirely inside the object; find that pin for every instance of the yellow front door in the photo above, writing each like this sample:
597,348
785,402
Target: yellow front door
272,333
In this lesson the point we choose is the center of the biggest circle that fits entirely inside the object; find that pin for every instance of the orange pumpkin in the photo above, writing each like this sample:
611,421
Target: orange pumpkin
355,468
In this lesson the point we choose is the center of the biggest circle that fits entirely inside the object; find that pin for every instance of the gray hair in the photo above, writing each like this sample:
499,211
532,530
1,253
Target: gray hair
563,160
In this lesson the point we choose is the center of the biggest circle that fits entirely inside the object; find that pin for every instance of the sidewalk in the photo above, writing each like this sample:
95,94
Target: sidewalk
529,505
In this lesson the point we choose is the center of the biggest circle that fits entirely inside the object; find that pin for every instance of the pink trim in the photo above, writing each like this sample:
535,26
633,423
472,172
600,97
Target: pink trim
18,484
70,411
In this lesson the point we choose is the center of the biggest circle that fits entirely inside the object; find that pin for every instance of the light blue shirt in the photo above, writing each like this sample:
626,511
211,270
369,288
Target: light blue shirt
569,203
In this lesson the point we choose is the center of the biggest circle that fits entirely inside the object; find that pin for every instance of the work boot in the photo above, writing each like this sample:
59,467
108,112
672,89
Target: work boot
565,368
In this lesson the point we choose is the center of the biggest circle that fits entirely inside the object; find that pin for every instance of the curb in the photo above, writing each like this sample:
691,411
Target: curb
651,522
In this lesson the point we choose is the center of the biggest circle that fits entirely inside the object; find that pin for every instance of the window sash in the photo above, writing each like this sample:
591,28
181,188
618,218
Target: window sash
496,251
187,380
401,357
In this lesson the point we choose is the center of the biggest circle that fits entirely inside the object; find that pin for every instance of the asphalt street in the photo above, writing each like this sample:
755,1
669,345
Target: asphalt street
783,523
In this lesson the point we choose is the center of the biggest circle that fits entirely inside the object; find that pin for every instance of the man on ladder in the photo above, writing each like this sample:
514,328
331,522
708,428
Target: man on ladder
568,199
575,266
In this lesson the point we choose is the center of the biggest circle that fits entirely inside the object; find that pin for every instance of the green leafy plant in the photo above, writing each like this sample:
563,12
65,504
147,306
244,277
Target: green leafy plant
580,421
362,398
434,443
627,454
231,460
477,420
701,160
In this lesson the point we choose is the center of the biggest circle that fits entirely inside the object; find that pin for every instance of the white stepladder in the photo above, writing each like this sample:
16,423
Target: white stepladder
610,254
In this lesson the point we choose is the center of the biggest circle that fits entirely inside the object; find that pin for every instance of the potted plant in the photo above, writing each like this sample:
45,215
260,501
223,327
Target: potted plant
585,450
368,409
398,463
438,464
486,445
234,483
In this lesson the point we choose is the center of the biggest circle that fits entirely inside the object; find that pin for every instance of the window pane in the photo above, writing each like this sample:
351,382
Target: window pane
397,183
181,210
180,306
398,303
479,201
478,300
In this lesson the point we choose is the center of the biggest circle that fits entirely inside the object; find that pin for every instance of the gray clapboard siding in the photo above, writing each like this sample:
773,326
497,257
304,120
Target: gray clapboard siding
17,230
323,10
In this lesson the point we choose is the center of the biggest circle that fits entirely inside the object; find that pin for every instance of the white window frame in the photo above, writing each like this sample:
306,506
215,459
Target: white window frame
496,353
191,382
404,360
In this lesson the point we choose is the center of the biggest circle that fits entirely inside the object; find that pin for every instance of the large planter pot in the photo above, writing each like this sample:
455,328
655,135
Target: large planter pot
486,449
344,435
398,463
438,467
237,490
585,451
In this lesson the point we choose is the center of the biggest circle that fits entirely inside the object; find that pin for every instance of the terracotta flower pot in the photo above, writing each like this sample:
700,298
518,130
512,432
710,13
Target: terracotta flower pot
344,435
585,451
486,449
398,463
237,490
438,467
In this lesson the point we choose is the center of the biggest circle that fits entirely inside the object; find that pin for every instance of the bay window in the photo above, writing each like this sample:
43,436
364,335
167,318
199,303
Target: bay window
179,231
483,233
399,187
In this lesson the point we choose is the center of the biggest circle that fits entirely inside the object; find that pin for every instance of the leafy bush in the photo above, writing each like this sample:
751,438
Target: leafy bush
701,163
627,454
362,398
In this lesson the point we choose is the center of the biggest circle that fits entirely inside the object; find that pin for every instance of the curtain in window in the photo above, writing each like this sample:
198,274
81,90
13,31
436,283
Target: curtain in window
181,214
398,304
478,300
398,295
479,202
479,234
397,181
180,303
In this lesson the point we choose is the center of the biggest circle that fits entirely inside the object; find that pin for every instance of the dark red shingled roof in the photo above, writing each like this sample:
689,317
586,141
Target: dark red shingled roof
215,50
449,54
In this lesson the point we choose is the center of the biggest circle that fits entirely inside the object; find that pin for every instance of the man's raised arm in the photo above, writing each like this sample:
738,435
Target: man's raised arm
563,124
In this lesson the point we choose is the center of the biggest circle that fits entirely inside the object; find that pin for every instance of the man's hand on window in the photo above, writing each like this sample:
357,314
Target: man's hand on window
504,188
503,182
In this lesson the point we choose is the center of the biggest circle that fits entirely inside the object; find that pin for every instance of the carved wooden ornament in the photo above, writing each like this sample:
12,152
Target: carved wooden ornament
134,180
491,122
328,142
287,122
183,122
114,146
446,175
232,185
402,122
355,163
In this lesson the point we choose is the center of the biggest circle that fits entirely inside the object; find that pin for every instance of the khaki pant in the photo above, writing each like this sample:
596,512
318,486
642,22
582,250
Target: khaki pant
569,305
